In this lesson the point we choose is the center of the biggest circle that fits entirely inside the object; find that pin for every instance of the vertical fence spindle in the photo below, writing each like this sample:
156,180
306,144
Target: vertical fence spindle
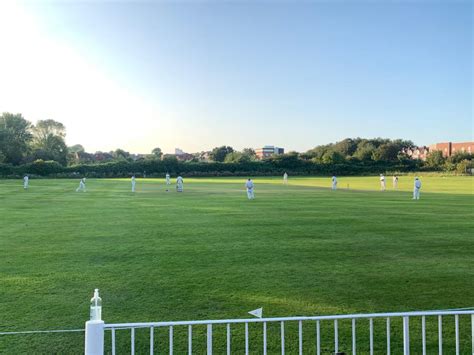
113,341
190,339
371,336
388,336
423,335
228,339
264,338
440,335
209,339
282,335
354,346
318,338
456,331
406,336
171,340
151,340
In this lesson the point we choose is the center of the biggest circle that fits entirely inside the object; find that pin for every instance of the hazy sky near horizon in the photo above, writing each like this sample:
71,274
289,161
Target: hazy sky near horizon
198,74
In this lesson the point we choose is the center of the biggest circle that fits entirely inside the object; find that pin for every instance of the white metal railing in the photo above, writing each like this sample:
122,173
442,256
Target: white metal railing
355,319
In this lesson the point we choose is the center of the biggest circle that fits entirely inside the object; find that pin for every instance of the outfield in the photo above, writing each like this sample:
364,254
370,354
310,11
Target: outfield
209,253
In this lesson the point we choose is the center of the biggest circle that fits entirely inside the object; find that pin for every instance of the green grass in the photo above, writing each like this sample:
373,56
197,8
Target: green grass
209,253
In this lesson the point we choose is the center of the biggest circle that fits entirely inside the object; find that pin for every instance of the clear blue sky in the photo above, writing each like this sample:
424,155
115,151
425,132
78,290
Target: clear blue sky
292,74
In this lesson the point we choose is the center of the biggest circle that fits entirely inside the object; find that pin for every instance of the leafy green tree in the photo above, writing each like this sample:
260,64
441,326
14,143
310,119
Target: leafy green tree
48,141
346,147
364,151
386,152
157,152
236,157
120,154
318,152
15,137
76,148
464,166
250,153
333,157
459,156
74,153
288,161
435,159
219,153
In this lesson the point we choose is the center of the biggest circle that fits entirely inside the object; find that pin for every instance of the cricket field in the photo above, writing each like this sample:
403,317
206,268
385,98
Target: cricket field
209,253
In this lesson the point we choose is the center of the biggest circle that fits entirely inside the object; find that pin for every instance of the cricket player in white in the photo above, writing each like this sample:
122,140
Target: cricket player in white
25,181
382,182
395,182
82,185
334,182
168,180
285,178
179,184
416,189
249,186
133,183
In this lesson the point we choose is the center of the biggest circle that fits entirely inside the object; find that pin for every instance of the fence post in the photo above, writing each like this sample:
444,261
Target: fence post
94,340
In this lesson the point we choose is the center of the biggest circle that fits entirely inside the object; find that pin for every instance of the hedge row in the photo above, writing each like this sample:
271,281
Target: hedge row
155,168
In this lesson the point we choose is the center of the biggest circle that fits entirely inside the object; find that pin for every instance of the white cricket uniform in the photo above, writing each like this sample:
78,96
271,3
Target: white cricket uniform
285,178
382,183
168,181
395,182
133,183
416,189
249,186
82,185
179,184
25,182
334,183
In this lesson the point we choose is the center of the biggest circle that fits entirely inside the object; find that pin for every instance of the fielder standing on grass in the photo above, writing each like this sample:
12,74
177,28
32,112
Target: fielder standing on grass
382,182
168,179
133,183
249,186
179,184
395,182
82,185
285,178
416,189
334,182
25,181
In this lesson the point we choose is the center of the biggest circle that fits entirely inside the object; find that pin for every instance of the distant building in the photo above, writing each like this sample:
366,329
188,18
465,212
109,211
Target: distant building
178,151
268,151
417,152
451,148
185,157
203,156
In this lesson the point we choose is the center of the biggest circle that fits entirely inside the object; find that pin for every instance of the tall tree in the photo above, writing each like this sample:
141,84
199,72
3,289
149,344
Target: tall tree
48,141
157,152
435,159
15,137
120,154
219,153
250,153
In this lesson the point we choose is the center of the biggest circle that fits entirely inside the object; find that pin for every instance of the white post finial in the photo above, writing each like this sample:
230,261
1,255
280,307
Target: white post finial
94,339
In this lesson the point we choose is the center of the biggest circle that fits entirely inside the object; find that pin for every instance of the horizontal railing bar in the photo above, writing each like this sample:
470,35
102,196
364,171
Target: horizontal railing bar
284,319
42,331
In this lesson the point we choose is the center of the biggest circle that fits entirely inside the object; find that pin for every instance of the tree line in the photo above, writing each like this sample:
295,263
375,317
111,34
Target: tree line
40,149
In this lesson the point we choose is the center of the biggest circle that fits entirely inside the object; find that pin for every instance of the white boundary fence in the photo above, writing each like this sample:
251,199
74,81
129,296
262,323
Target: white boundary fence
95,331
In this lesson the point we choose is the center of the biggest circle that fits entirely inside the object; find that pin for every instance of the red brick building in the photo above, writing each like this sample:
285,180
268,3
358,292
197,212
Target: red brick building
451,148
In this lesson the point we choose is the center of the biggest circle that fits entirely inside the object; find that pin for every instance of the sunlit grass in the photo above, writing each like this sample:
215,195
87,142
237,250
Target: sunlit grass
208,253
